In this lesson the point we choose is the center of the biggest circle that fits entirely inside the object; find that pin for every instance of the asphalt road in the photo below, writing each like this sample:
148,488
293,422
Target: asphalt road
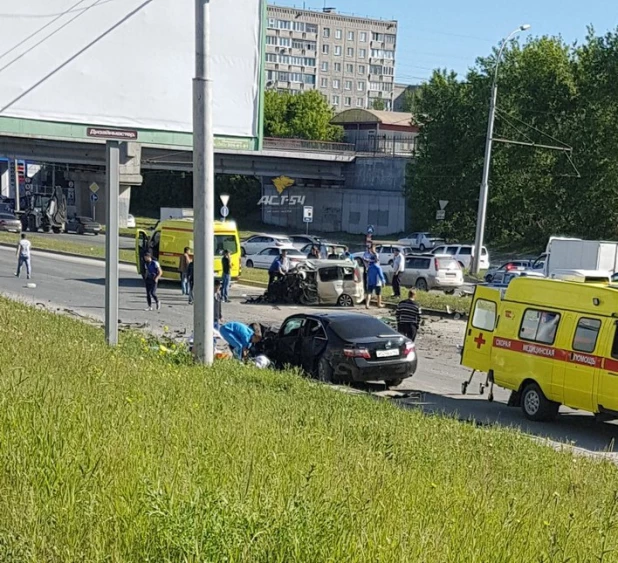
76,286
90,240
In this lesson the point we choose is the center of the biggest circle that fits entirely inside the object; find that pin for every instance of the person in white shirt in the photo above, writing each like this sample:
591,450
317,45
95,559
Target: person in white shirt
23,255
399,266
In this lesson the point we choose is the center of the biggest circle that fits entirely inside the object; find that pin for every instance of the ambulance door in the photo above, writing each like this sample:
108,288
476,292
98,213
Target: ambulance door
480,330
582,364
607,387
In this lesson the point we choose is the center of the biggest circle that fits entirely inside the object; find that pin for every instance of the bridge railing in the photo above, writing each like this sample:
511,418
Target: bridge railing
308,146
377,146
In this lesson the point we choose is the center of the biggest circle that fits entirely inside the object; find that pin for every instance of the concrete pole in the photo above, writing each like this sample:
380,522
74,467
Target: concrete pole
203,191
112,189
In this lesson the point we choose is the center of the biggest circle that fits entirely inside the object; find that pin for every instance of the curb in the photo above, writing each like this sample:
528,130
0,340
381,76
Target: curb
64,253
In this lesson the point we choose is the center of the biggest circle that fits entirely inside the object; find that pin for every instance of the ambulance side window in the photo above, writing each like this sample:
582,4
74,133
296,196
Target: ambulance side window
539,326
586,334
484,317
615,344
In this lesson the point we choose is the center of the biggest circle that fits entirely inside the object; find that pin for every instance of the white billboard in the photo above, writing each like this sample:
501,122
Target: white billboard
128,63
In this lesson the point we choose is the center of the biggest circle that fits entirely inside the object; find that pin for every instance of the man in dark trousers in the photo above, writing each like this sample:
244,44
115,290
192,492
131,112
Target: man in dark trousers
277,269
398,269
152,275
226,276
408,316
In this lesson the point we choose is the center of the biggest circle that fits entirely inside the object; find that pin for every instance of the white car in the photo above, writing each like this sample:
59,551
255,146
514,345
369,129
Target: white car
255,243
386,253
427,272
264,258
421,241
463,254
130,222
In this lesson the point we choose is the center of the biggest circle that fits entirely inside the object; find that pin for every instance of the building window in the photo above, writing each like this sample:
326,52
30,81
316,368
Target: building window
539,326
360,102
325,49
389,38
350,52
284,24
272,23
284,76
362,53
338,34
388,86
298,61
337,67
382,54
285,42
296,77
309,79
271,58
270,74
349,68
324,83
337,50
347,102
284,59
311,28
360,86
298,26
362,36
389,54
308,61
324,66
271,40
377,37
361,69
335,84
326,32
348,84
350,36
375,69
375,86
335,100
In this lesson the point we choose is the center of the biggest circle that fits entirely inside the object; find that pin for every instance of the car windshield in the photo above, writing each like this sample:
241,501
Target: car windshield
361,328
225,242
447,264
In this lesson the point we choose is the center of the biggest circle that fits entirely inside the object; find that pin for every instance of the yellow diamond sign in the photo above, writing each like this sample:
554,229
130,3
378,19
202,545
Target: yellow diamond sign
94,187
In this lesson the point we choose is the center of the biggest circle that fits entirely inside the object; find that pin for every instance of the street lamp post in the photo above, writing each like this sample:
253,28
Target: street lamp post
482,210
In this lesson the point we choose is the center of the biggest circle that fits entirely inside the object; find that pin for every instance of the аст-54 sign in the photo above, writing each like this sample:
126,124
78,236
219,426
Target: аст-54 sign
281,184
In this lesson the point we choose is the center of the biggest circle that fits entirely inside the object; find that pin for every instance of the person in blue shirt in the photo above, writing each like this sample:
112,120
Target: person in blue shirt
375,282
152,275
278,268
240,337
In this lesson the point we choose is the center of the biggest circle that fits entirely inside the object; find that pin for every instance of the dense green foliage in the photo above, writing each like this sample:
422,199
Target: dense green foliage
134,454
549,93
306,115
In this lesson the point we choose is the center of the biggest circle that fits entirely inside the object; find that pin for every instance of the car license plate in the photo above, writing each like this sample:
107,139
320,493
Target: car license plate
387,353
451,274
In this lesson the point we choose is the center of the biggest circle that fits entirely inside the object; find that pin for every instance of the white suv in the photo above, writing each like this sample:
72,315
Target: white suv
463,254
427,272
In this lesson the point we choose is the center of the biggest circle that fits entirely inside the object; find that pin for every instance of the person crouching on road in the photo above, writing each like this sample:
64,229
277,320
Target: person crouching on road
277,269
152,275
240,337
375,282
408,315
398,269
23,256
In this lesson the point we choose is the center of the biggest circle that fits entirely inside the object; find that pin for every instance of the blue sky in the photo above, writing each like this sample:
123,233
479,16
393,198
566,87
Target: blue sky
452,33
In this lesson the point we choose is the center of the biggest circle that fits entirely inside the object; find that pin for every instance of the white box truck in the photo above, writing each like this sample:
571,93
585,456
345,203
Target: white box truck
573,254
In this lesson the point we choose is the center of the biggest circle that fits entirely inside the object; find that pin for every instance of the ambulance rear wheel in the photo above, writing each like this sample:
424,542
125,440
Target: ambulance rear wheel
536,406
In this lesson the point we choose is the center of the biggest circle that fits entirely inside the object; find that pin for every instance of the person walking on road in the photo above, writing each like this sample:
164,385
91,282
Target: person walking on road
23,256
399,264
152,275
375,282
240,337
226,276
183,268
408,315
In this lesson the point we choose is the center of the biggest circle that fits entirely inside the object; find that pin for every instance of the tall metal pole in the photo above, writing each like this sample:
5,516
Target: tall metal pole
484,191
17,192
112,190
203,191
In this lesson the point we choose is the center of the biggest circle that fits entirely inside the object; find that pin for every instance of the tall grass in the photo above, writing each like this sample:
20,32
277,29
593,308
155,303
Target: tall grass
134,454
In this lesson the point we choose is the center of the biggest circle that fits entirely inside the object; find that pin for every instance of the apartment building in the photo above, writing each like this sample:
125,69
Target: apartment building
351,60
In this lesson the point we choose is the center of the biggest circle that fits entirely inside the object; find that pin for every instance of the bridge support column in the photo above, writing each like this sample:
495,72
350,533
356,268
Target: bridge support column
130,175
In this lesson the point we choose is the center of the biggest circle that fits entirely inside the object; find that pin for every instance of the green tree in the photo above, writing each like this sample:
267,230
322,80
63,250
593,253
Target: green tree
301,116
378,104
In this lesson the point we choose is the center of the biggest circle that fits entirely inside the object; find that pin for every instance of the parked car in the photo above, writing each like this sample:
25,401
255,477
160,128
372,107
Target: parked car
82,225
421,241
10,223
345,347
513,265
463,254
327,249
429,272
264,258
131,222
255,243
300,241
504,277
386,253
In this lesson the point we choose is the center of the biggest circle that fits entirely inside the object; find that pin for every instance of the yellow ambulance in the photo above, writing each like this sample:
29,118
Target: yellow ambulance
551,342
169,238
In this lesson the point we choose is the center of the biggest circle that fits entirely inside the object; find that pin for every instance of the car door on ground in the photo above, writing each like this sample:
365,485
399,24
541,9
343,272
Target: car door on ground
313,345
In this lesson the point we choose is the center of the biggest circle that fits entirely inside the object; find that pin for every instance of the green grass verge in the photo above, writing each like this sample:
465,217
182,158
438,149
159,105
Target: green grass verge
134,454
43,242
429,300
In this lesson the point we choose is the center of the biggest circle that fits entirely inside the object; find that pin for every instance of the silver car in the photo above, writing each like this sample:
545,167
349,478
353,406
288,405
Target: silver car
430,272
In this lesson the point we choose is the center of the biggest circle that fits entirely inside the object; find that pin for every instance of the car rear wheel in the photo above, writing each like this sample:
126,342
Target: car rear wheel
345,301
421,284
393,383
249,264
57,230
536,406
325,371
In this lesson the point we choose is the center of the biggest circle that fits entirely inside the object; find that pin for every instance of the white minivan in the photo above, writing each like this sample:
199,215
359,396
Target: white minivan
463,254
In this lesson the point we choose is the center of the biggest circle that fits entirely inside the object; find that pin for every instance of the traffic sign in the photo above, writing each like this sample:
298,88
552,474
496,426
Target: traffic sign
225,211
440,215
28,188
224,199
443,204
307,214
94,198
94,188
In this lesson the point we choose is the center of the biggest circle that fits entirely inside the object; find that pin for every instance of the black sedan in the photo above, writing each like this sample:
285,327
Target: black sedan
83,225
344,348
